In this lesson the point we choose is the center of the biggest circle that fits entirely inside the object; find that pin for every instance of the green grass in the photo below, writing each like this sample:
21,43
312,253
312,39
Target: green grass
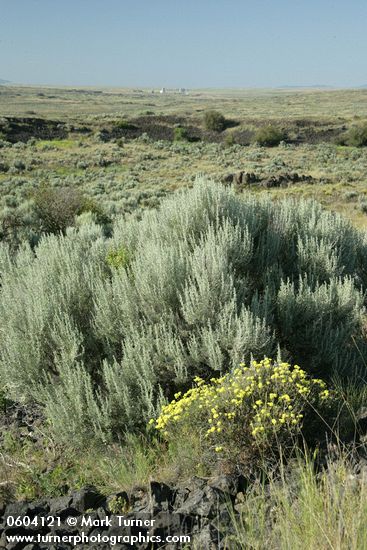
308,511
32,471
56,143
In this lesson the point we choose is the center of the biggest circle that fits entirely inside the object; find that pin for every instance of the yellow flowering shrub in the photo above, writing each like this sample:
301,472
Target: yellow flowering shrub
248,414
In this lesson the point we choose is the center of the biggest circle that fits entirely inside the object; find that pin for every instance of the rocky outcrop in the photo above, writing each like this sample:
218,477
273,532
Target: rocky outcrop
201,509
244,179
204,509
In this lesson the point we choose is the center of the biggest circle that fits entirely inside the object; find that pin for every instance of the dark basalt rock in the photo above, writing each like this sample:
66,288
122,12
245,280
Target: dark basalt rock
23,129
286,179
87,498
57,505
228,484
162,495
244,179
200,508
69,512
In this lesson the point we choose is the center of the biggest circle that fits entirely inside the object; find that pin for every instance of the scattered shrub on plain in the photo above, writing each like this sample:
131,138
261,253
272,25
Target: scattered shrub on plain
180,134
123,125
229,140
57,207
356,136
19,165
214,121
350,195
269,136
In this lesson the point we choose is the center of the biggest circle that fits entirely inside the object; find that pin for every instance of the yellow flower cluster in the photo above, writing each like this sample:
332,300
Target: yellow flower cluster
245,407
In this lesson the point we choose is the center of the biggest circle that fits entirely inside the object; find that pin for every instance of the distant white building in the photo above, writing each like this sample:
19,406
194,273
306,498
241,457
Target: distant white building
183,91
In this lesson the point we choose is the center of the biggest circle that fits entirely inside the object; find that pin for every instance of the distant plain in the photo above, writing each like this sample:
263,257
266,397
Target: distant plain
118,145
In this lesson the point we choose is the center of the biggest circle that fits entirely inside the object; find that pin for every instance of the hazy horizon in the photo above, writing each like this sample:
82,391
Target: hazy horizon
229,44
199,88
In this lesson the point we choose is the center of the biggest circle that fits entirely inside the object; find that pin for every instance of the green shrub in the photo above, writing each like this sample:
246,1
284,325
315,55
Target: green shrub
123,125
356,136
180,134
19,165
99,214
269,136
245,417
350,195
229,140
214,121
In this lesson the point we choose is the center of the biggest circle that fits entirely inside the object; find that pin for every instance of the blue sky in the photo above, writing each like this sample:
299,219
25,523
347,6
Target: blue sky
189,43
